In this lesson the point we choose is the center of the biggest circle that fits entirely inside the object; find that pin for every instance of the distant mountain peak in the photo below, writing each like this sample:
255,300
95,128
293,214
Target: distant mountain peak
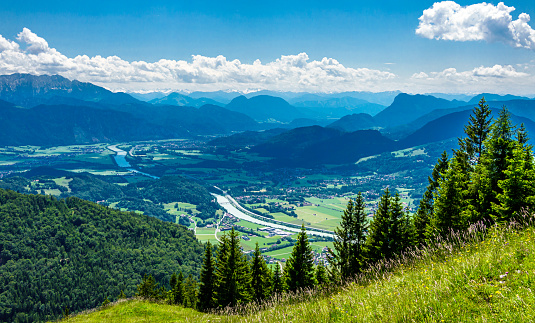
30,90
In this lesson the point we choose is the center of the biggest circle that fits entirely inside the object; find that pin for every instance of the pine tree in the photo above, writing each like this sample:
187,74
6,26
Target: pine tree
450,200
260,276
148,288
518,186
190,292
377,246
207,283
320,275
425,209
500,146
349,240
477,130
233,281
177,291
300,264
277,280
396,243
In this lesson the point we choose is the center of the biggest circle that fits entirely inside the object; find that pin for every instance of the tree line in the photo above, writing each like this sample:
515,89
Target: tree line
228,278
490,178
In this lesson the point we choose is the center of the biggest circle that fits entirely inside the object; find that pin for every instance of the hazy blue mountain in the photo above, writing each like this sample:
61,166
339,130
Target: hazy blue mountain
265,108
354,122
495,97
146,97
290,144
31,90
451,97
521,108
183,100
348,148
347,103
219,96
407,108
65,125
452,126
246,138
312,146
306,122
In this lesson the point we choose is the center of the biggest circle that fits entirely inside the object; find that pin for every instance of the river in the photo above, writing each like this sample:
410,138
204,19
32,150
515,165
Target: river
120,159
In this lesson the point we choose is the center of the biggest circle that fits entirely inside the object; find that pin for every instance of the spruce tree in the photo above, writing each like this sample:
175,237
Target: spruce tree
396,243
349,240
177,291
500,146
277,280
233,281
451,198
477,130
518,186
300,265
207,283
190,292
320,275
260,276
377,245
425,209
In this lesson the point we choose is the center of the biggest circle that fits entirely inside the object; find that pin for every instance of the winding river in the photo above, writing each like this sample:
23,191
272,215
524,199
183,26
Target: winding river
227,202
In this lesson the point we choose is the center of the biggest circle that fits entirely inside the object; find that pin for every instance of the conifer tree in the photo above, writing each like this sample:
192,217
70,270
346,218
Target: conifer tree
450,206
190,292
477,130
500,146
425,209
207,283
518,186
349,240
148,288
320,275
277,280
177,291
260,276
233,281
300,265
377,244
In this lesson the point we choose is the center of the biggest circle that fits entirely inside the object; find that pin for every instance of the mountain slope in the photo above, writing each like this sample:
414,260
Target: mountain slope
474,280
354,122
183,100
407,108
313,146
265,108
489,97
64,125
343,103
451,126
31,90
73,253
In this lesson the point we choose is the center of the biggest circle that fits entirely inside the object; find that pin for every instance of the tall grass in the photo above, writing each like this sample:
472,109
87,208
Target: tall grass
483,274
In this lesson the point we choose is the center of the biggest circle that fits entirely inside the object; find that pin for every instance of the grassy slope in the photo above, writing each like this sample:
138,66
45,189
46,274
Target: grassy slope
488,281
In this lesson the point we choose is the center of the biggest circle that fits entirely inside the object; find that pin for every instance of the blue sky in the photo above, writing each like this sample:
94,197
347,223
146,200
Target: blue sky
374,43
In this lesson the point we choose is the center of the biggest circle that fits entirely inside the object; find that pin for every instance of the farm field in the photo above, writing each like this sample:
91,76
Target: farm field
320,205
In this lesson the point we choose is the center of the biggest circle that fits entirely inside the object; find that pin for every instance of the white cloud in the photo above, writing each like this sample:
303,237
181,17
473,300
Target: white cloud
32,54
497,78
448,20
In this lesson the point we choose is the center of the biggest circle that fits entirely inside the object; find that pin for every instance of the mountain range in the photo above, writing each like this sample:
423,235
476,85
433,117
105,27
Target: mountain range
323,128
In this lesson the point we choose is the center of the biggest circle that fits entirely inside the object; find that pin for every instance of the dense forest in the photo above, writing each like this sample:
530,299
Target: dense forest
72,254
145,196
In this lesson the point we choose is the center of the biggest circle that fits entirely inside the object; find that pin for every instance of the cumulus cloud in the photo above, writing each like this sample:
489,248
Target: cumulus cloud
497,78
32,54
448,20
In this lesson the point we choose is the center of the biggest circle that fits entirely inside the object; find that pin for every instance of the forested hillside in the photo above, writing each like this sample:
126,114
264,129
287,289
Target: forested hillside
72,254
